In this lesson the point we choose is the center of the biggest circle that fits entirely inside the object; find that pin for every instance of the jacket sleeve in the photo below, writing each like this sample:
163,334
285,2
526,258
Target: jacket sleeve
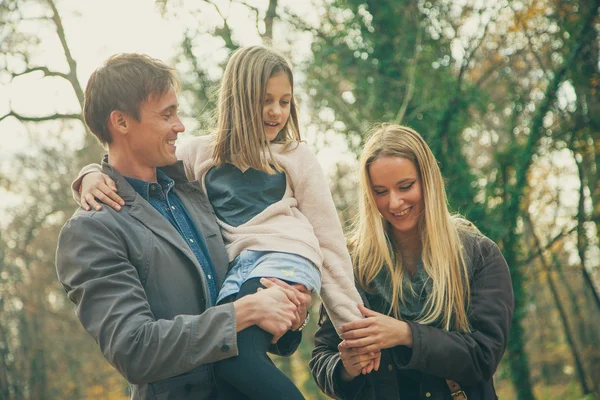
338,291
473,357
76,185
111,304
325,365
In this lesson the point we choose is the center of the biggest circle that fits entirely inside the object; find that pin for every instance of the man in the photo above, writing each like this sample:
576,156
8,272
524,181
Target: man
144,280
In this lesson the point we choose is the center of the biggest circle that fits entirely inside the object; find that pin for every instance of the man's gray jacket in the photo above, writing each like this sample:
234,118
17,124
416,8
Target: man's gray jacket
140,292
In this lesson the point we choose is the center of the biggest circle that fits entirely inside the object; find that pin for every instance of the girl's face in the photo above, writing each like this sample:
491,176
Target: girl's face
398,193
276,105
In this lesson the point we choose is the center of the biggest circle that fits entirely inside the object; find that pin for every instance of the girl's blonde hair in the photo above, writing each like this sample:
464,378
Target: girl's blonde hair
240,138
372,245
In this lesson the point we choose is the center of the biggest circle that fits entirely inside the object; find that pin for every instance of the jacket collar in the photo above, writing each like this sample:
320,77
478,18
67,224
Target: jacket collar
139,209
174,171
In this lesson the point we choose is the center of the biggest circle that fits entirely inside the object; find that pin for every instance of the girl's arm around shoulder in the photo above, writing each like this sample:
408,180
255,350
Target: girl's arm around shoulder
470,357
76,185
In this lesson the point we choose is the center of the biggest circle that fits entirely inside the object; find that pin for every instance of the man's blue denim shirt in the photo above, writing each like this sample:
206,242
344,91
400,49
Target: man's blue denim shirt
168,204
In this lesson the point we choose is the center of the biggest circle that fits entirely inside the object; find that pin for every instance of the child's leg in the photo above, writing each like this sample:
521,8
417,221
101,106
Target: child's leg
252,372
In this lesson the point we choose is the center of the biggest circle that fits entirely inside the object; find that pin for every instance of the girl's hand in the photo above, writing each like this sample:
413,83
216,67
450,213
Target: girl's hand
375,332
302,294
96,185
373,365
354,363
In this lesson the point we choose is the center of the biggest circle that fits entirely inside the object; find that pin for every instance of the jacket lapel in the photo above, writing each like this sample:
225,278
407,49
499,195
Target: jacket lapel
158,224
143,211
202,213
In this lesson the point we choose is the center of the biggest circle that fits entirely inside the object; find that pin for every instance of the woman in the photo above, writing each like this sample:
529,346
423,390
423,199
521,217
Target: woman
438,293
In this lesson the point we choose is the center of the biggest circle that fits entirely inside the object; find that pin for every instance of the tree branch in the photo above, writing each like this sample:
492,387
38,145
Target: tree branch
549,244
256,12
525,31
56,116
72,75
451,111
412,69
270,18
225,31
537,127
45,70
561,311
297,22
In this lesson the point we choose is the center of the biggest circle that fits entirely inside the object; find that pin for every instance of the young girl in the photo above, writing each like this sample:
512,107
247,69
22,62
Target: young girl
273,205
439,292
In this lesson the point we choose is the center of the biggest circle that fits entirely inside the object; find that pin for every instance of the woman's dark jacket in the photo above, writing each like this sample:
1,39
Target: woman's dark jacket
467,358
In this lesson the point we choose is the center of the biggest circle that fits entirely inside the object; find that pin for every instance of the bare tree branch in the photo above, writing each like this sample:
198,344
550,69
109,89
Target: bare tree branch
548,245
256,12
45,70
224,32
455,99
529,37
269,19
297,22
40,119
412,71
251,7
502,39
344,109
72,75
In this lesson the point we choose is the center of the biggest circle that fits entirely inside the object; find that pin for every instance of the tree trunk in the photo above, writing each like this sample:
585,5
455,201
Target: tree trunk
563,316
517,357
270,19
582,239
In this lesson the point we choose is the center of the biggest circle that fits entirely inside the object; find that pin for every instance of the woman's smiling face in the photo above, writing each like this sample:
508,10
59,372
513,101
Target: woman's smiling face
398,193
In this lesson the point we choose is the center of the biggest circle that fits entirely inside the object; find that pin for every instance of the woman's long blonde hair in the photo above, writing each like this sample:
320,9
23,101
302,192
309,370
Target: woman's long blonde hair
240,138
372,245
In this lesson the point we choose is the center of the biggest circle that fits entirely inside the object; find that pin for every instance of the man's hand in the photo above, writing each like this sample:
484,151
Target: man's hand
96,185
273,310
301,293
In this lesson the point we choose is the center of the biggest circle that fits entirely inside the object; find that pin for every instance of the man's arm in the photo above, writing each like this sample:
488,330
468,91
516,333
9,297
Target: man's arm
94,269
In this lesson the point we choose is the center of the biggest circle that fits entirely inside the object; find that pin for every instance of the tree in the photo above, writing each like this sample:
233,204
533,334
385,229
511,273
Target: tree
43,349
487,122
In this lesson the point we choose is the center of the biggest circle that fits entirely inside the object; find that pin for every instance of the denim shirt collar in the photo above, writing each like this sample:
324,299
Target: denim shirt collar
143,188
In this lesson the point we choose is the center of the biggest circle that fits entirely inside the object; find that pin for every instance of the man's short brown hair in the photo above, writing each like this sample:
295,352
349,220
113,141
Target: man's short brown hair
123,83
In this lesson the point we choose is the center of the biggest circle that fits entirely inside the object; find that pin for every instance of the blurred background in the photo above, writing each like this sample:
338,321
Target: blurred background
505,93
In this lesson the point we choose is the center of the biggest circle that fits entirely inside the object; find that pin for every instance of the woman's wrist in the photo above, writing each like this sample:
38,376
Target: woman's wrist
407,338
